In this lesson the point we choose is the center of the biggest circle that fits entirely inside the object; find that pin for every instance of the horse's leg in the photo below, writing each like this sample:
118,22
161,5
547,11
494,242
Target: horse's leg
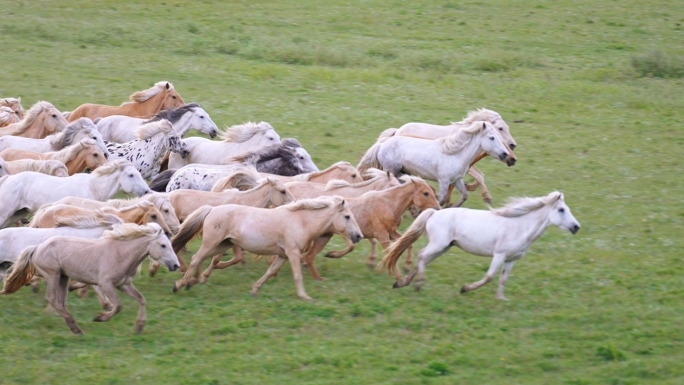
104,301
295,260
205,251
497,261
154,267
449,192
129,289
271,272
460,185
57,298
317,245
340,253
443,190
109,291
480,181
428,254
238,256
35,284
373,256
505,273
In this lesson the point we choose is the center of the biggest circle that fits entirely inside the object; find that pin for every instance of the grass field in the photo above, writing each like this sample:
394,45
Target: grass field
592,92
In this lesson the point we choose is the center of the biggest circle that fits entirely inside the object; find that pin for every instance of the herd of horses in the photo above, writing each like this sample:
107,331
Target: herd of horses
249,190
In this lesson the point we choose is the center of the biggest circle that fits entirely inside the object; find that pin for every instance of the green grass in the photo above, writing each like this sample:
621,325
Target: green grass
601,307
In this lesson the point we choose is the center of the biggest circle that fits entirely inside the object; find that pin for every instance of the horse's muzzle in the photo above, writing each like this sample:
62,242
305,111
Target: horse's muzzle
503,155
173,267
511,161
184,154
574,229
356,237
213,134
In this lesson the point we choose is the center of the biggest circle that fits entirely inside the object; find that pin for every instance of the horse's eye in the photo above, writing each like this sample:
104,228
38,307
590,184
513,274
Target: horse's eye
500,128
154,216
163,246
166,211
353,175
283,192
347,217
130,175
491,138
425,194
561,210
54,115
96,155
174,97
201,117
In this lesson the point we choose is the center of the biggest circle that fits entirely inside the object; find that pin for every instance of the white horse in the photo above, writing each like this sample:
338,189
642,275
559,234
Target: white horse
505,234
147,152
445,160
236,140
27,191
77,130
121,128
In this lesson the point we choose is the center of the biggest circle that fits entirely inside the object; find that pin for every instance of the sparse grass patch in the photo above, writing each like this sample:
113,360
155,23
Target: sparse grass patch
657,63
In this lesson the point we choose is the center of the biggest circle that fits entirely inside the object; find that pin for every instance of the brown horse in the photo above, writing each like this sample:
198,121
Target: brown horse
49,167
143,104
77,157
285,231
41,120
110,262
379,215
341,170
15,105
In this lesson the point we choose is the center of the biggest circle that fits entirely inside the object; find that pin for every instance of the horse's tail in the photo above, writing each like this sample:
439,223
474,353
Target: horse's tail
370,159
21,272
240,180
160,181
388,133
191,226
389,261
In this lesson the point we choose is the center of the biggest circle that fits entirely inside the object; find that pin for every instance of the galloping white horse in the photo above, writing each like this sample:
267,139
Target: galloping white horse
146,152
77,130
445,160
27,191
121,128
505,234
236,140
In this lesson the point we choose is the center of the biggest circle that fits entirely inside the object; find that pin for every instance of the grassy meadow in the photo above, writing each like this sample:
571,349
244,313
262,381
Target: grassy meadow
592,92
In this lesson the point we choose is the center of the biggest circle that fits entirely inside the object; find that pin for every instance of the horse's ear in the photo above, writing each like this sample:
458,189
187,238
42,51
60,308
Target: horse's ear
168,86
484,125
388,174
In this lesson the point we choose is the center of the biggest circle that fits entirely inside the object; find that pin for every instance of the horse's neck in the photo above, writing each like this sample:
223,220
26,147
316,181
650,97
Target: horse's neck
400,198
321,176
54,140
37,129
105,187
76,165
147,108
533,224
319,220
252,197
131,216
130,253
182,126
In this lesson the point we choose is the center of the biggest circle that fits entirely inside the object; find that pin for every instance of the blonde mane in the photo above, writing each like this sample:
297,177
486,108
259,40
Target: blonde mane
480,114
454,143
148,130
144,204
126,231
156,198
314,204
89,221
520,206
70,153
111,167
243,132
144,95
30,118
49,166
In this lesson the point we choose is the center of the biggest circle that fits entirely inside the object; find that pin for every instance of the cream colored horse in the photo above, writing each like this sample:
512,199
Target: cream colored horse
15,105
285,231
40,121
302,190
49,167
77,157
110,262
8,116
341,170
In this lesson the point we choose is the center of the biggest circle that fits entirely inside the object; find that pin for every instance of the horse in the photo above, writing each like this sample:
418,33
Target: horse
15,105
8,116
77,157
5,168
445,160
341,170
28,191
110,262
235,140
41,120
303,189
146,152
49,167
121,128
143,104
285,231
302,156
505,234
73,133
203,176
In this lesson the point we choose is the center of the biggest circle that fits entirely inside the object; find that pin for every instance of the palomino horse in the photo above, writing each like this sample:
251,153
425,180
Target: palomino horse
27,191
15,105
505,234
285,231
40,121
110,262
121,128
49,167
8,116
341,170
379,215
445,160
146,152
302,189
143,104
77,157
235,141
77,130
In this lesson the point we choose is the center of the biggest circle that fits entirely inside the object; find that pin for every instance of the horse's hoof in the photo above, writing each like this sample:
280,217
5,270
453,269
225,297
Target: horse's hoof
99,318
78,332
35,289
371,266
396,285
464,289
319,278
175,288
139,327
152,273
418,287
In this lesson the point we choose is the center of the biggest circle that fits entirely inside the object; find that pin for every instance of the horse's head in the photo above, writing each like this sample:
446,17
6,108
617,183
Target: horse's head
90,130
491,142
160,248
202,122
54,120
423,194
162,203
14,104
343,220
177,144
280,195
171,98
305,160
8,116
131,181
150,214
270,136
560,214
91,155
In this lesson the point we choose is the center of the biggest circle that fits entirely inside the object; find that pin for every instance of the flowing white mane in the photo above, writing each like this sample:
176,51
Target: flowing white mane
242,132
454,143
480,114
314,204
127,231
520,206
148,130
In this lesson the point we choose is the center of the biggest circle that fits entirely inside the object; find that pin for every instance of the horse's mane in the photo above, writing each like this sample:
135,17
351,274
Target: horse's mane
69,153
88,221
66,137
480,114
110,167
273,151
290,142
144,95
146,131
372,173
48,166
153,197
520,206
242,132
314,204
30,117
245,179
127,231
172,115
456,142
339,183
144,204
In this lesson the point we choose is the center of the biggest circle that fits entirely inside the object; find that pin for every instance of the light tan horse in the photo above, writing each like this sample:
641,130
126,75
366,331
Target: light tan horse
302,190
110,262
49,167
379,215
341,170
285,231
40,121
77,157
15,105
8,116
143,104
